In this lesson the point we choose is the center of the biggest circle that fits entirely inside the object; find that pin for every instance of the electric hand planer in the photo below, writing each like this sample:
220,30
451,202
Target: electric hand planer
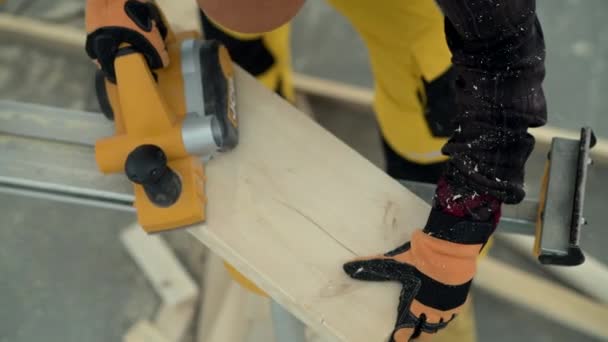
168,121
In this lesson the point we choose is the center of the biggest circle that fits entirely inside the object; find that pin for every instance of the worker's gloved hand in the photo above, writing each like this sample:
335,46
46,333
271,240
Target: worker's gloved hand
437,266
116,24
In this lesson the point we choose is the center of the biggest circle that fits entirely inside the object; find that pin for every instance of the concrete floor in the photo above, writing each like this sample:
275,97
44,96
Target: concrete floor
65,277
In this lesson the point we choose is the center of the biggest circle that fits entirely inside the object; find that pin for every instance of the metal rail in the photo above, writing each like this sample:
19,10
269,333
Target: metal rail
48,153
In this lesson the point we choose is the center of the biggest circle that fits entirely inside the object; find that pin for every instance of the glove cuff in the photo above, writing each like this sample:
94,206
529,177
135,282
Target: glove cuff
456,229
460,217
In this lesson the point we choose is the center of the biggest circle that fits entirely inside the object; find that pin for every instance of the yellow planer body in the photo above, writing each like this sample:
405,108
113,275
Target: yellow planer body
167,123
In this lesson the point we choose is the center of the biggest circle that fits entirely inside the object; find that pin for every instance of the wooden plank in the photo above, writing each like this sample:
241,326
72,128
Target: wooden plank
254,313
160,265
545,134
292,202
183,15
144,331
543,297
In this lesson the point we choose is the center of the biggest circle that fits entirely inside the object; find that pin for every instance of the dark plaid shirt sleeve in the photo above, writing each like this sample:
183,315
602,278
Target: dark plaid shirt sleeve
498,55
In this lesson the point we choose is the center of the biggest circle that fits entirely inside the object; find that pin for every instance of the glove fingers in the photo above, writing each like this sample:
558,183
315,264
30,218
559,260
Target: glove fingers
407,334
402,335
138,23
424,336
380,269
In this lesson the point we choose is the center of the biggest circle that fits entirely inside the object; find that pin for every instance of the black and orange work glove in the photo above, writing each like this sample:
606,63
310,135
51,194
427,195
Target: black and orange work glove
113,25
437,266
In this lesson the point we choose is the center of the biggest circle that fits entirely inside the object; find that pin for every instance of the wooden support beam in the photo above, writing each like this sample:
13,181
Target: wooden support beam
223,303
173,321
231,323
215,284
144,331
160,265
355,95
177,290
